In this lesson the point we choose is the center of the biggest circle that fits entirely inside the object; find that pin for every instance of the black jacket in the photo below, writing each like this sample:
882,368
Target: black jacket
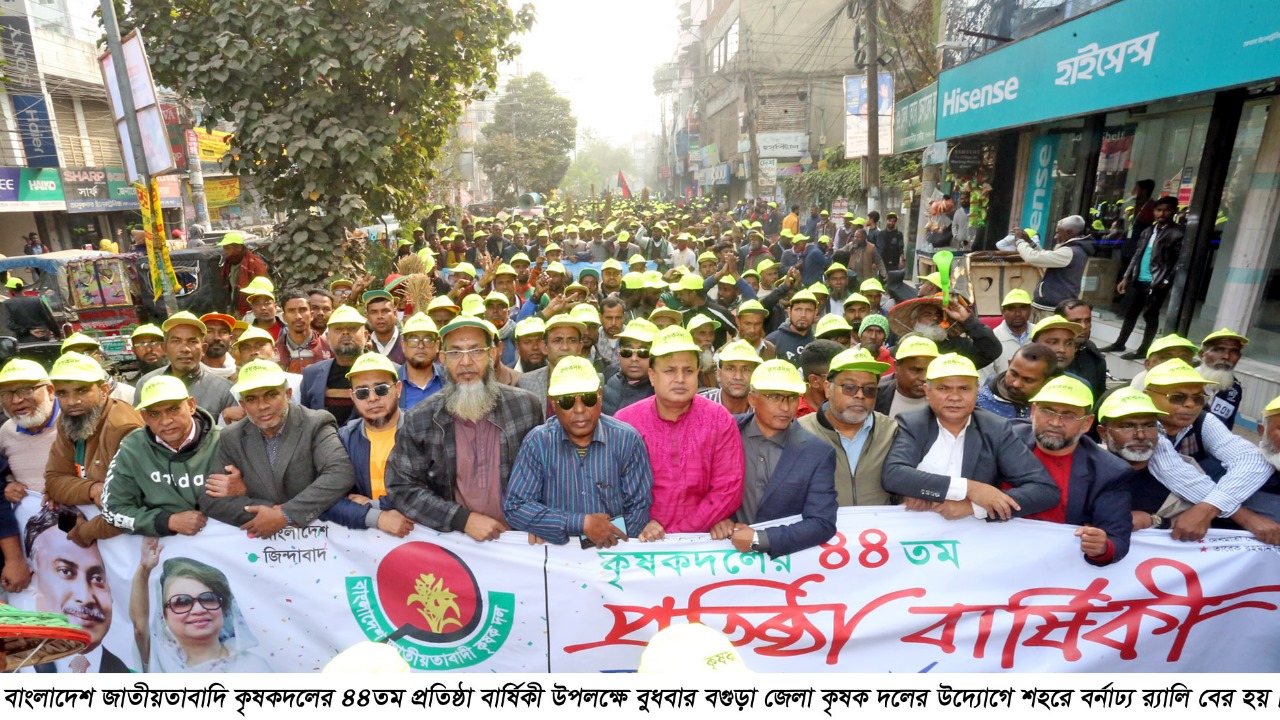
1164,255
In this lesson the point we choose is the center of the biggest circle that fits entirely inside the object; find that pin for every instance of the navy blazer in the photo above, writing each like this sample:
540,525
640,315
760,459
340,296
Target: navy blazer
1097,491
804,484
992,455
314,378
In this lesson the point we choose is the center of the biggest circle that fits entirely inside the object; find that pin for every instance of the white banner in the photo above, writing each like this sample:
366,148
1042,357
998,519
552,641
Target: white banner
893,591
782,144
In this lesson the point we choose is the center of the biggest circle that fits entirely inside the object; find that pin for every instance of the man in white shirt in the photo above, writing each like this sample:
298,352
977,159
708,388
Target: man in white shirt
951,458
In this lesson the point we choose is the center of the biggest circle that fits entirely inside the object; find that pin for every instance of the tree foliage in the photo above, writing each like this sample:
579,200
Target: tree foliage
843,178
339,107
596,163
526,147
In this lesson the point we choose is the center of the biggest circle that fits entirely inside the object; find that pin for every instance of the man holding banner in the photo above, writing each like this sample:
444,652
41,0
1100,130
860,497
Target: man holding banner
951,458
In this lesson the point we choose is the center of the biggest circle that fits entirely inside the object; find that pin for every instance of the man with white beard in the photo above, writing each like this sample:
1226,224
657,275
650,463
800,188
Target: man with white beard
1129,425
1219,354
930,319
25,440
454,452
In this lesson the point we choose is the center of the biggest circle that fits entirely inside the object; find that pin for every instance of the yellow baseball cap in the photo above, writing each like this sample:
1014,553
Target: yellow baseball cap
343,281
443,302
428,260
78,340
835,267
571,376
259,286
804,296
576,287
466,321
871,285
530,326
231,238
74,367
857,360
830,323
671,340
556,267
951,365
251,334
419,322
554,247
636,259
566,320
1175,372
259,374
612,264
1064,390
585,314
372,361
473,305
1224,334
147,330
1053,322
738,351
183,317
640,330
633,281
857,298
162,389
934,279
664,310
1272,407
819,289
1127,401
690,281
505,269
497,297
698,321
1170,341
345,315
653,280
777,376
765,265
465,268
23,371
752,306
519,258
1016,296
824,240
708,255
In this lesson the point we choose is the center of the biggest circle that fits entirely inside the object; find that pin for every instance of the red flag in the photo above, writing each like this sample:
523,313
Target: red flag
622,183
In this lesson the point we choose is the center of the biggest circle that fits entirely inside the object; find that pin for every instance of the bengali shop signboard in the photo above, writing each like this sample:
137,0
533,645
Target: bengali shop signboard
95,189
893,591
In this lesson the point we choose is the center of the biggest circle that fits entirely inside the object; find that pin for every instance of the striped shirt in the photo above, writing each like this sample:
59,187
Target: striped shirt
553,489
1247,470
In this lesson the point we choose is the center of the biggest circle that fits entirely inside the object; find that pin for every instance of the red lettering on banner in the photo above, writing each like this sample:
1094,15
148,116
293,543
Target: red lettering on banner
1079,608
786,624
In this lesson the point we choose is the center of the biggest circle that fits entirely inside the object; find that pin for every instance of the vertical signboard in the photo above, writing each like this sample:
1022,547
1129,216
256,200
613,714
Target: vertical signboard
855,126
151,125
36,130
1035,203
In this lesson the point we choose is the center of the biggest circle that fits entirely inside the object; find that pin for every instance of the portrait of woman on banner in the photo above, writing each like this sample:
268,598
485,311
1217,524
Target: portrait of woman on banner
187,620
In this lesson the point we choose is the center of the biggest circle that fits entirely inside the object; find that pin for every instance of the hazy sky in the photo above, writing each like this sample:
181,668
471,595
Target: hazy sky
600,54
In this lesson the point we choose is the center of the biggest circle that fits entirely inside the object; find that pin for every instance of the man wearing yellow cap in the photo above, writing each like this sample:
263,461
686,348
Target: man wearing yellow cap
734,364
422,374
91,425
580,473
284,464
1220,352
147,343
630,383
1233,470
241,266
951,458
564,338
325,385
788,471
155,483
848,423
1015,330
453,458
184,348
1129,427
264,313
1094,484
1164,348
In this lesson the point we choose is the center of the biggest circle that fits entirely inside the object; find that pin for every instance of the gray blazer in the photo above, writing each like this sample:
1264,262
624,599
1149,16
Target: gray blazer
536,382
993,454
310,474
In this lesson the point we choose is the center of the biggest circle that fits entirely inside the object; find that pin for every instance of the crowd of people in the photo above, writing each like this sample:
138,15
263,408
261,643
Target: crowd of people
661,370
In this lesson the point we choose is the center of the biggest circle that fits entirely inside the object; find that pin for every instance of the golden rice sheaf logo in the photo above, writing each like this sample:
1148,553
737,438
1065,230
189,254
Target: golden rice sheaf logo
428,599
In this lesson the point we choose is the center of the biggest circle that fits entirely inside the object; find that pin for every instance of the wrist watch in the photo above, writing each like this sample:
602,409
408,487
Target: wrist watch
1157,522
755,541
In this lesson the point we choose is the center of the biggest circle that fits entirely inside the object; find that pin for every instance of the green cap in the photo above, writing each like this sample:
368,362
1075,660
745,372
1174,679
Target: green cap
74,367
857,298
585,314
1065,390
875,320
259,374
566,320
804,296
1125,402
819,289
162,389
690,281
473,305
671,340
698,321
857,360
571,376
372,361
251,334
951,365
373,295
466,321
777,376
1224,334
1056,321
259,286
871,285
19,370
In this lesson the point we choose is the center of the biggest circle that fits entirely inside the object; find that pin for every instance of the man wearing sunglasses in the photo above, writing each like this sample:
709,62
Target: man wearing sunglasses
789,471
1094,484
694,446
630,383
453,458
1233,470
848,422
284,463
580,473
